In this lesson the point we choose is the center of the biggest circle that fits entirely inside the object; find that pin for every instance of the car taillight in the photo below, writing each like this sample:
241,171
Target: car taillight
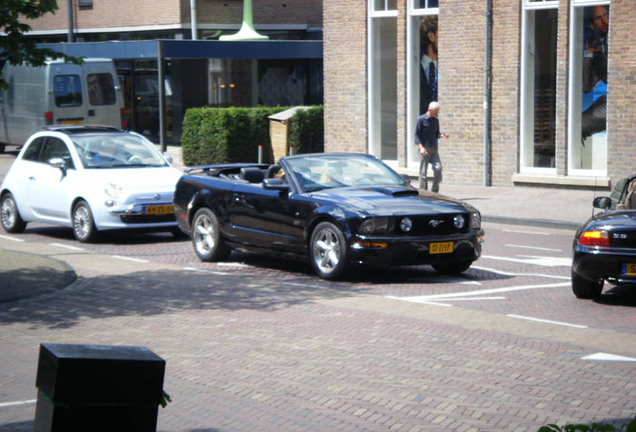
48,118
594,238
124,118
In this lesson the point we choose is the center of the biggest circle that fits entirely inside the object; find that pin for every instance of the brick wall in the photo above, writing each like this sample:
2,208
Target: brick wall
123,13
621,97
345,71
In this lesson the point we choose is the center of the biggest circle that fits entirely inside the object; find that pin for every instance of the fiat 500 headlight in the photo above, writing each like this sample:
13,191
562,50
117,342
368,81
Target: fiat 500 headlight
113,190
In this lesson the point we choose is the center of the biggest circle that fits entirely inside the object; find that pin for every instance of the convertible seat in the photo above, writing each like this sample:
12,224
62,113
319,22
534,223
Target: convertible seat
630,199
252,174
272,170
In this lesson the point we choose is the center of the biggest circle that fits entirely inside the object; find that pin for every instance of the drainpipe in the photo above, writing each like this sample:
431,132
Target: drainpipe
70,21
487,96
193,18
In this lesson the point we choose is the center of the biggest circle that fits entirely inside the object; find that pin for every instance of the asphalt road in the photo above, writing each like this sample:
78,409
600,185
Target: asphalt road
255,344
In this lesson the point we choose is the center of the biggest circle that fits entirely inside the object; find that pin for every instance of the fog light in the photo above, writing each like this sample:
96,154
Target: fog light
109,203
459,221
406,224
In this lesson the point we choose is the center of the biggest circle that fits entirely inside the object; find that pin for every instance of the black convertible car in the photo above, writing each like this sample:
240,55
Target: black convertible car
605,246
335,209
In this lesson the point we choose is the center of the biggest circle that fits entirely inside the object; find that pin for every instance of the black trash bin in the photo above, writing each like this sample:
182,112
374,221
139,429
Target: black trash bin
98,388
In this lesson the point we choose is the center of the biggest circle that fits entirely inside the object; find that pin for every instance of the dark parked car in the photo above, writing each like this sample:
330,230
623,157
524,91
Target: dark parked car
605,246
335,209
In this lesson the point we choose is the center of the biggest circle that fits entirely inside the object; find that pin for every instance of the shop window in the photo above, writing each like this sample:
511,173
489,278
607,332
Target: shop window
383,83
589,41
423,67
538,98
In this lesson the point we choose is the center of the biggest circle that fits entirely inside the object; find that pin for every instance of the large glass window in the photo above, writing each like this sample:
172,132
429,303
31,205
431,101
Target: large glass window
588,90
67,90
383,81
422,64
538,94
101,89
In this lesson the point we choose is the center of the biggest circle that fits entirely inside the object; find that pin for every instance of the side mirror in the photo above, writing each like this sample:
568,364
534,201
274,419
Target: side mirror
58,163
602,203
406,178
168,158
275,184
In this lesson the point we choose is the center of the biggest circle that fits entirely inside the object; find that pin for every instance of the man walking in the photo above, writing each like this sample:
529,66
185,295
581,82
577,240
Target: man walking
426,136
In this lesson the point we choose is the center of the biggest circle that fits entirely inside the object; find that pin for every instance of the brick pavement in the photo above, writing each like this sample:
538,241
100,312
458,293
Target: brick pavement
247,353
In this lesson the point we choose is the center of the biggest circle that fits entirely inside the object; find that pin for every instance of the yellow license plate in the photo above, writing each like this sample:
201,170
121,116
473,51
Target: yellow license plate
159,210
72,122
440,248
629,269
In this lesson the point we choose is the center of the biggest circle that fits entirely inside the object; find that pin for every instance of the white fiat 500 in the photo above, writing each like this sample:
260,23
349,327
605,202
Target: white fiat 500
91,179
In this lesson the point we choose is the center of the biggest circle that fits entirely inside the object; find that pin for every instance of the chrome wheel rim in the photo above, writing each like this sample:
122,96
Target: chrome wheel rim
9,213
203,235
326,249
82,222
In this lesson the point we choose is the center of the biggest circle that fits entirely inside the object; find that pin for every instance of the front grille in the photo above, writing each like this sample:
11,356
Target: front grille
437,224
142,219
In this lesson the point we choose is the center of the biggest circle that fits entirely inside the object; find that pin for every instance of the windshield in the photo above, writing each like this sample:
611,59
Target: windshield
117,151
316,172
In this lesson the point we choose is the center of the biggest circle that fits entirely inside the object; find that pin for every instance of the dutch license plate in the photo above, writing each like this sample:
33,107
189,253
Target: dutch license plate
72,122
440,248
629,269
158,210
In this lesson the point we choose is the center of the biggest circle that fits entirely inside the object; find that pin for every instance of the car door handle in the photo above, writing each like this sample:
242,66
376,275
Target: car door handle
32,178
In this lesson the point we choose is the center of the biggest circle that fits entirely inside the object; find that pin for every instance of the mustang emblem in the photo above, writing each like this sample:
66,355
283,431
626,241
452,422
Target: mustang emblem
157,196
435,222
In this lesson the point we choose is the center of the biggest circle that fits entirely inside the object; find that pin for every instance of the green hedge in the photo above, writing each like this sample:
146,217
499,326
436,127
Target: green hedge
307,132
225,135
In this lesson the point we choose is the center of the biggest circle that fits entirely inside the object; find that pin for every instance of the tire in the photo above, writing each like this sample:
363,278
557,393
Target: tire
585,288
83,223
11,220
452,268
328,251
206,237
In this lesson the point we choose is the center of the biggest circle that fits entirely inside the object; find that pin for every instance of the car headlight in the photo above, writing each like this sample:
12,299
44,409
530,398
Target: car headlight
113,190
475,220
374,226
459,221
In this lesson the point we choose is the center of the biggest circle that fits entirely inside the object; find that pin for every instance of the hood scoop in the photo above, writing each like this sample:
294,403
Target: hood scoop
396,191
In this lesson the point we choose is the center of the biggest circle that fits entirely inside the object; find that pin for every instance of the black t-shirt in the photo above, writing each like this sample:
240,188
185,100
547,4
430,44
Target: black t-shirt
427,131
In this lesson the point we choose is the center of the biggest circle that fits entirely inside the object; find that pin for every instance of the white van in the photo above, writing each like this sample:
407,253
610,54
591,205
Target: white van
58,93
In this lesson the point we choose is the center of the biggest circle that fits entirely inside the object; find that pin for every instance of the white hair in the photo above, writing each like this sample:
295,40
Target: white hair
433,106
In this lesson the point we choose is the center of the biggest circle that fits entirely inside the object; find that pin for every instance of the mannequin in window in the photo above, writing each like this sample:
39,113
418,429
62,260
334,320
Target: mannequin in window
594,72
428,62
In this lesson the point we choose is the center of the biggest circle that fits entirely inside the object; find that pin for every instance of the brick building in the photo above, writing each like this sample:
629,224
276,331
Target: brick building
559,99
234,79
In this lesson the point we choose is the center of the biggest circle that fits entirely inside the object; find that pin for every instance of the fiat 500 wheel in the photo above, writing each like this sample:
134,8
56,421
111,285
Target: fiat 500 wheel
83,223
11,220
328,251
206,237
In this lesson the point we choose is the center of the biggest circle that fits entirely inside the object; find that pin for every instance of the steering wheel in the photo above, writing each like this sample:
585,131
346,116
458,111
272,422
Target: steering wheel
134,159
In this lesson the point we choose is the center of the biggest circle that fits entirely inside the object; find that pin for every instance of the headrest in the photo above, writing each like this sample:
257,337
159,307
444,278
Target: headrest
252,174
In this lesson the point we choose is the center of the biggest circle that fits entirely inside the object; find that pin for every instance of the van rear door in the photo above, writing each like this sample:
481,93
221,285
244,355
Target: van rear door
104,100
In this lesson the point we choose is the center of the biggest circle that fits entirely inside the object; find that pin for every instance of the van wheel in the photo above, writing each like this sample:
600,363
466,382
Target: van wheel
2,148
11,220
83,223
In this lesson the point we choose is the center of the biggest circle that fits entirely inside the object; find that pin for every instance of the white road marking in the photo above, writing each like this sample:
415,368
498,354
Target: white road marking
535,260
546,321
129,259
471,283
505,273
196,270
11,238
75,248
418,300
608,357
26,402
468,294
526,232
232,264
533,247
305,285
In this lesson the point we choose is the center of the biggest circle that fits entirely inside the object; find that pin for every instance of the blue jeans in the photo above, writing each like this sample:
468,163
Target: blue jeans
432,158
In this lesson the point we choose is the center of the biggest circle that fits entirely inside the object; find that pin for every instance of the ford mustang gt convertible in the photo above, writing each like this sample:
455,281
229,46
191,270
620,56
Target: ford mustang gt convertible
605,245
336,210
